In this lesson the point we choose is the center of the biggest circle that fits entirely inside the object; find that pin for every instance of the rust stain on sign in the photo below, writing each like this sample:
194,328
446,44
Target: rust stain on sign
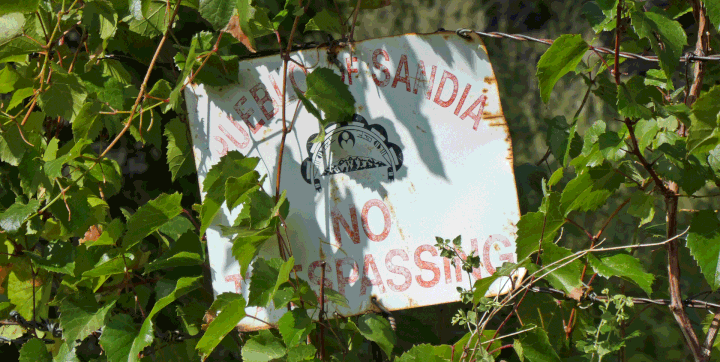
427,154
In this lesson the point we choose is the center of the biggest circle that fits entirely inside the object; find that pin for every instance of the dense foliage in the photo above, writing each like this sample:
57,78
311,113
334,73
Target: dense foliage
95,266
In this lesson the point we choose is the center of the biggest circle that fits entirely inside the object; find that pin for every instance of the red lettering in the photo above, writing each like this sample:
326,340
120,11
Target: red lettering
477,116
224,149
338,219
315,278
395,269
420,77
431,83
424,265
232,139
237,279
245,116
246,136
290,98
275,108
462,99
386,217
367,282
350,69
491,241
446,75
351,278
448,272
384,69
404,79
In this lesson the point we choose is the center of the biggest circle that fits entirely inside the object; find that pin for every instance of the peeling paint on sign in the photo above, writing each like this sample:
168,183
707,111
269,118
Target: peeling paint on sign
427,154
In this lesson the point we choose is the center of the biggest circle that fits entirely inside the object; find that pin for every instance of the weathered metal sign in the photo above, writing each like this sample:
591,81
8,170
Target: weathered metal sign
427,154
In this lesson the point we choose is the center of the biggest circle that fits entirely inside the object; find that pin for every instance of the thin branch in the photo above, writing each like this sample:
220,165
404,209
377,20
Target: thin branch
618,30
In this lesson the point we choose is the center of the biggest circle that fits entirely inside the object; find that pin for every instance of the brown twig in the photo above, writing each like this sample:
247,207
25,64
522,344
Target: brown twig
587,233
618,30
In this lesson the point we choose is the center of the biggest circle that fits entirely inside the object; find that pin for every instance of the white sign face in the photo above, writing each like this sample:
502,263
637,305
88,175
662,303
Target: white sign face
427,154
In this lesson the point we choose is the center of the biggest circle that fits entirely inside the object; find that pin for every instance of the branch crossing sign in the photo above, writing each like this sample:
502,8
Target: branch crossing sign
426,154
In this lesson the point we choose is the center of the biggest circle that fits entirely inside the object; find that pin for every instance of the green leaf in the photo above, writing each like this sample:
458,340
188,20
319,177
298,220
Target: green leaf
231,309
150,217
704,243
267,276
294,326
24,6
377,329
87,123
563,56
99,17
567,275
246,244
176,227
534,346
703,133
12,147
186,251
82,316
179,150
713,12
237,189
331,95
624,266
117,338
658,28
110,263
12,219
59,257
556,177
263,347
149,18
217,12
327,21
65,96
34,351
24,288
532,224
427,353
302,352
309,106
642,206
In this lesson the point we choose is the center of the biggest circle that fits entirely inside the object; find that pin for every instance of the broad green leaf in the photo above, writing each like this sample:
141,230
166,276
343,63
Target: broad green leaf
703,133
217,12
642,206
590,189
246,244
658,28
24,288
219,70
237,188
99,17
82,316
563,56
327,21
263,347
427,353
231,309
110,235
612,146
566,273
149,18
8,77
65,96
294,326
150,217
24,6
12,147
302,352
87,123
234,164
377,329
534,346
176,227
556,177
713,12
179,150
331,95
628,107
534,225
624,266
109,264
59,257
703,241
309,106
267,276
186,251
12,219
117,338
34,351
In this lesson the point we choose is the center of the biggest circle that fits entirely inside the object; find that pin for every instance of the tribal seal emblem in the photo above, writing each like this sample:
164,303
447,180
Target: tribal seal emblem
350,146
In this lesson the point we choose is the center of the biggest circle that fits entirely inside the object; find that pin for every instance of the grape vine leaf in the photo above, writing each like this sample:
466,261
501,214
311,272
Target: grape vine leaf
179,150
12,219
331,95
231,309
151,217
704,243
377,329
563,56
217,12
534,346
34,351
624,266
82,316
263,347
117,338
294,326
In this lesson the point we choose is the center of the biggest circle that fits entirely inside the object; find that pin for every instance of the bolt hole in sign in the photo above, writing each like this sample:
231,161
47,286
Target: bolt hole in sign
427,154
